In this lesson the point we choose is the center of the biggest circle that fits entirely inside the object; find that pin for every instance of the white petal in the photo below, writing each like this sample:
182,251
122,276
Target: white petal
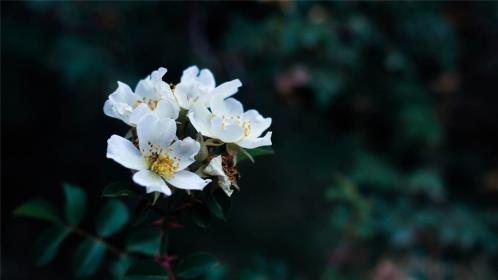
161,86
108,109
157,75
145,89
229,107
184,151
227,89
120,103
189,74
258,123
206,79
167,108
125,153
155,131
231,133
123,94
151,181
181,92
138,113
251,143
186,94
200,118
227,133
153,87
215,167
187,180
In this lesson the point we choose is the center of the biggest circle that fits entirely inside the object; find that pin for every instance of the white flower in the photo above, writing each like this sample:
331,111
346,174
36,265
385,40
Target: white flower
215,168
200,86
160,157
228,122
152,96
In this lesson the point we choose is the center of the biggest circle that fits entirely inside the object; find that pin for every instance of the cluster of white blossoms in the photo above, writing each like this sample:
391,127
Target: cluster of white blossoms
157,150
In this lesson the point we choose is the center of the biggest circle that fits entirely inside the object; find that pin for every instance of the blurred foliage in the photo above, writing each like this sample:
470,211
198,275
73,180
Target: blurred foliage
384,120
381,74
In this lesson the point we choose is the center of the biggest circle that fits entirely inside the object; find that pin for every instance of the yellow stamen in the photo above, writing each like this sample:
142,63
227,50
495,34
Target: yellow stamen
150,102
163,164
247,128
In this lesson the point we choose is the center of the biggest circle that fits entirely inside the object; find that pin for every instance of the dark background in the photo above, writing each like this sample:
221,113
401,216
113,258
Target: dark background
384,115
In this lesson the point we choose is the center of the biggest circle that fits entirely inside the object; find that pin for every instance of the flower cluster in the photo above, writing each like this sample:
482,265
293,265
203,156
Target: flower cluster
164,120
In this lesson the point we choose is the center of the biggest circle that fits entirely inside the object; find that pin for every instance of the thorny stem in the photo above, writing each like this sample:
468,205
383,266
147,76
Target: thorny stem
168,217
118,252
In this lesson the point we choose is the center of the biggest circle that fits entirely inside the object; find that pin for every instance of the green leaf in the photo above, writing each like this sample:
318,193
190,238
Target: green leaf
146,270
38,209
112,218
88,257
48,243
120,189
252,153
218,203
75,203
145,240
196,265
119,267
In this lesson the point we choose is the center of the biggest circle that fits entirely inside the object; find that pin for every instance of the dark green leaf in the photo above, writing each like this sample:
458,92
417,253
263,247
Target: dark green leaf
218,203
196,265
146,270
120,266
48,243
145,241
75,203
38,209
254,153
120,189
88,257
112,218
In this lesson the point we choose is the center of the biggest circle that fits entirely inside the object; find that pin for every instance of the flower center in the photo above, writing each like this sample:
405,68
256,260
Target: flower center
162,164
152,103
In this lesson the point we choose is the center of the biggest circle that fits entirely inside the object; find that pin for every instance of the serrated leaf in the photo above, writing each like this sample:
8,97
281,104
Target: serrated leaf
196,265
38,209
218,203
88,257
48,243
252,153
145,240
75,203
121,189
146,270
112,218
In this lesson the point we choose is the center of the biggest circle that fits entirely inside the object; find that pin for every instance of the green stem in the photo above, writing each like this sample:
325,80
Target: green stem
116,251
